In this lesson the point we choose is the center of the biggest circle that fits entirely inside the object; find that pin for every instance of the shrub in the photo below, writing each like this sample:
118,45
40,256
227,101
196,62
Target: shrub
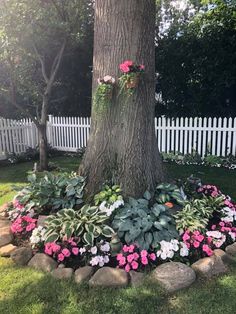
138,224
196,213
167,192
52,192
88,223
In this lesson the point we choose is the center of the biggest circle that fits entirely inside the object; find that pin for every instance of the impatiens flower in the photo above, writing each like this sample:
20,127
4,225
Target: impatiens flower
134,265
61,257
125,248
127,268
144,260
152,256
105,247
66,252
196,244
142,67
75,250
186,237
94,250
122,261
130,258
124,68
82,250
144,253
131,248
207,250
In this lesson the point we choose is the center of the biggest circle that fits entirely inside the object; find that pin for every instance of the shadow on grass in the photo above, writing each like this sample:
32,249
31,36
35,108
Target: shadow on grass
40,293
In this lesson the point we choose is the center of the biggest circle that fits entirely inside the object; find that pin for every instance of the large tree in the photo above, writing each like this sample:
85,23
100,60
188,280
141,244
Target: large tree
122,145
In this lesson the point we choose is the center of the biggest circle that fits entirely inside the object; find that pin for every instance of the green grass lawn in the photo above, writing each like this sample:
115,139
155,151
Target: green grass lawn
25,291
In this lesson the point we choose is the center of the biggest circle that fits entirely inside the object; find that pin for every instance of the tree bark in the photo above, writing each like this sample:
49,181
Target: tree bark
122,147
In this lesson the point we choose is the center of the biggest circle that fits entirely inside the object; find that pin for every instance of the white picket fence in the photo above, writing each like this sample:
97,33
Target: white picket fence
214,135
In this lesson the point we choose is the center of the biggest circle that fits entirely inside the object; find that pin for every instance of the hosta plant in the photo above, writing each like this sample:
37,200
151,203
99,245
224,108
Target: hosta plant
196,213
145,226
167,192
88,223
52,192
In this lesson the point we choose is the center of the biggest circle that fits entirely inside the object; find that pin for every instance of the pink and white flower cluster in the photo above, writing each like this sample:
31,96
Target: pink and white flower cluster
100,254
62,251
17,210
23,225
169,249
129,66
131,258
197,242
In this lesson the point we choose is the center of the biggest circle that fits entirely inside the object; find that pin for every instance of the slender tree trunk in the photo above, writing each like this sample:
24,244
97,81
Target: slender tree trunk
122,145
43,143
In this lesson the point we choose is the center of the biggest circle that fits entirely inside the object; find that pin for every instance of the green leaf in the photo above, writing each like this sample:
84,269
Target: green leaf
147,195
108,232
88,238
52,237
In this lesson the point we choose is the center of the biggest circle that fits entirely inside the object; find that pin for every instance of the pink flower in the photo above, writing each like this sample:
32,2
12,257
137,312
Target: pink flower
152,256
186,237
55,247
131,248
48,249
142,67
134,265
122,261
119,256
130,258
187,244
200,238
129,63
75,250
196,244
213,227
207,250
136,256
209,240
196,233
30,227
125,249
222,224
127,268
66,252
124,68
144,253
144,260
61,257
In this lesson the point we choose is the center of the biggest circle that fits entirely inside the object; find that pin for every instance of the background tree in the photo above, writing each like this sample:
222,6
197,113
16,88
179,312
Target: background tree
196,63
122,145
35,35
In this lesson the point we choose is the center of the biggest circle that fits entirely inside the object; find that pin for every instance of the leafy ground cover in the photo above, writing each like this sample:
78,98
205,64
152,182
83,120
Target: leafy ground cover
23,290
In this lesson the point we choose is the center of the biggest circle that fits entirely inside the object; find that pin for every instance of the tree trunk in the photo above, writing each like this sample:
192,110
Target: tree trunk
43,156
122,145
43,143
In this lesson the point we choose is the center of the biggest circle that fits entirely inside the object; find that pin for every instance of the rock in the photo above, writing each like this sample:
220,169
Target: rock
62,273
231,249
22,255
61,266
43,262
6,250
41,220
210,266
4,223
83,274
109,277
3,207
226,258
174,276
136,279
5,239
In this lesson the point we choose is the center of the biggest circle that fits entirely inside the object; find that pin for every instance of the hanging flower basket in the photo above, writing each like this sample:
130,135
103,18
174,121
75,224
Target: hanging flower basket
130,78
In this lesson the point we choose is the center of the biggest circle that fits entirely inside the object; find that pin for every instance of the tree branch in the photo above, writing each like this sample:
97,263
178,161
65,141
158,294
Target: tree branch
43,68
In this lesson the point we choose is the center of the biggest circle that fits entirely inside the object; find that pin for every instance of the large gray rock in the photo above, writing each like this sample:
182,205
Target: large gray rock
174,276
4,223
62,273
210,266
5,251
83,274
109,277
136,278
231,249
22,255
43,262
226,258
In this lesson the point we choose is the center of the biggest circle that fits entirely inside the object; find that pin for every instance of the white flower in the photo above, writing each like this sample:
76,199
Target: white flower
184,251
233,236
82,250
106,259
214,234
105,247
103,207
94,250
38,235
94,261
230,214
